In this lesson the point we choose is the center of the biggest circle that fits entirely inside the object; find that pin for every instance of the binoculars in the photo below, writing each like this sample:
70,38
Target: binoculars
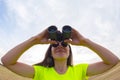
56,35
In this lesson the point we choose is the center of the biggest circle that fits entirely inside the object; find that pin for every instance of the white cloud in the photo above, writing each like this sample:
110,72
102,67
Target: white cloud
97,20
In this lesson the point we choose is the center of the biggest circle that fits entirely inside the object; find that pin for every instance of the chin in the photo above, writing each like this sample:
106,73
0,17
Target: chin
61,58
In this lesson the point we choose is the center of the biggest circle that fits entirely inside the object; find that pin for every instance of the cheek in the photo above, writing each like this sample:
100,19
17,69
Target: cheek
68,49
67,53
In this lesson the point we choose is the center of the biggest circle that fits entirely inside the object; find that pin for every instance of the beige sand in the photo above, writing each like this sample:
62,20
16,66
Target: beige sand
112,74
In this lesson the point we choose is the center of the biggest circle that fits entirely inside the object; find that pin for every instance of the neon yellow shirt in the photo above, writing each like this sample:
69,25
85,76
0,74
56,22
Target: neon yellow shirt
77,72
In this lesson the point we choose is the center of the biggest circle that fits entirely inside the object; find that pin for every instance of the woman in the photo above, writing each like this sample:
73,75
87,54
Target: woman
58,60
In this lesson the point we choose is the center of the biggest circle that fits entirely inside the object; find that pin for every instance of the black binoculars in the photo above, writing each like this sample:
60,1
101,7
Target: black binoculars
56,35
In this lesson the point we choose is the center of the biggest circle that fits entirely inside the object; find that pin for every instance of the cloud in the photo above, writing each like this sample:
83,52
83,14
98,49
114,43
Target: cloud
97,20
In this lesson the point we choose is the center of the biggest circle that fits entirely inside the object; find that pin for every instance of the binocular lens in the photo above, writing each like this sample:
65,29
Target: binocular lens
54,34
66,29
66,32
52,30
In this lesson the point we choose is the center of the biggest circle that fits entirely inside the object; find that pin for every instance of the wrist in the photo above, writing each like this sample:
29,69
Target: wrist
33,40
85,42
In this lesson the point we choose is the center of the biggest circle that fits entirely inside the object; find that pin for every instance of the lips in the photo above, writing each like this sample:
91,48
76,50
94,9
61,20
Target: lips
60,50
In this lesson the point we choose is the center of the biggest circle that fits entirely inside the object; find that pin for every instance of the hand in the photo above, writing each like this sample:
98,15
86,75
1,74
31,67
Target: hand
76,38
43,38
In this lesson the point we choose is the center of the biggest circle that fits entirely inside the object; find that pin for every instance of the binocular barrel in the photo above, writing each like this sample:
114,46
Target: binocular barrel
52,30
54,34
66,32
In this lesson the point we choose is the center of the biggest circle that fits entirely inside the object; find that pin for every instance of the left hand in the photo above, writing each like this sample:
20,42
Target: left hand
76,38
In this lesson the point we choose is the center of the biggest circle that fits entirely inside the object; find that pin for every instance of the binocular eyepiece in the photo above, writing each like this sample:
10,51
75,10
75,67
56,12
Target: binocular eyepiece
56,35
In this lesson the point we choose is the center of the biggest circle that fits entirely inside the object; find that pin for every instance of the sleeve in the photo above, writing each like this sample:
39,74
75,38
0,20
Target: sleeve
81,70
38,70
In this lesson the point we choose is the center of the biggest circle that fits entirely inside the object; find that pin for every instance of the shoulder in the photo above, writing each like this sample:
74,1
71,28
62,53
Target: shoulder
39,68
80,70
81,65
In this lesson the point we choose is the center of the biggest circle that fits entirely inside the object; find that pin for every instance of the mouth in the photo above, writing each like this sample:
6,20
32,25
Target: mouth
60,50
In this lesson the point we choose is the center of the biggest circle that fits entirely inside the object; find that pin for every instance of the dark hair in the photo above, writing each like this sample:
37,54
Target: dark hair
48,61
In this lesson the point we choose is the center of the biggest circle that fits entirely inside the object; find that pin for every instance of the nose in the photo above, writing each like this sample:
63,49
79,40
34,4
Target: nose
60,44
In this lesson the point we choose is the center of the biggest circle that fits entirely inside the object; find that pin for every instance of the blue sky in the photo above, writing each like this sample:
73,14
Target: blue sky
98,20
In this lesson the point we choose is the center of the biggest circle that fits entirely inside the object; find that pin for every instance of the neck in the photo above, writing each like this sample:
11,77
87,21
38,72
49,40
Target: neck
61,66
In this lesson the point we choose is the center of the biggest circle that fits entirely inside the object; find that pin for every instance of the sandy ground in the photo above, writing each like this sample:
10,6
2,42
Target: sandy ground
112,74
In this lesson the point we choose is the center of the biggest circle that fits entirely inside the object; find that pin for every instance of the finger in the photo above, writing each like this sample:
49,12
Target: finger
52,41
68,41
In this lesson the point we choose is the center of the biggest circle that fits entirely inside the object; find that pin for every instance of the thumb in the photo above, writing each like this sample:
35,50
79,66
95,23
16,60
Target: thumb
69,41
52,41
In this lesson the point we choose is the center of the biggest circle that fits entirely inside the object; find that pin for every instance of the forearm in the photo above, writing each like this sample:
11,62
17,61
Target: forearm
107,56
13,55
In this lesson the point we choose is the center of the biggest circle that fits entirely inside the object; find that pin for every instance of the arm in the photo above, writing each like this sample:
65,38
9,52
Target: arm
10,59
108,58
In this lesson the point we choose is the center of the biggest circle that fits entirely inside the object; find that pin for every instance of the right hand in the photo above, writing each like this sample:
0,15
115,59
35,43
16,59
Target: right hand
43,38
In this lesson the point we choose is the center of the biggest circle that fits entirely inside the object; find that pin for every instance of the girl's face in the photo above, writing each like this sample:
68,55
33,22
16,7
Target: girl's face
60,51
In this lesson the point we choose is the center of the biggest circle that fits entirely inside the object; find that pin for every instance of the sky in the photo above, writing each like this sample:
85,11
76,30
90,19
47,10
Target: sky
98,20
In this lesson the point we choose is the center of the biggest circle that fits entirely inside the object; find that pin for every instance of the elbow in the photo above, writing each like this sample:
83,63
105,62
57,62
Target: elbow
4,61
7,61
112,62
115,61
